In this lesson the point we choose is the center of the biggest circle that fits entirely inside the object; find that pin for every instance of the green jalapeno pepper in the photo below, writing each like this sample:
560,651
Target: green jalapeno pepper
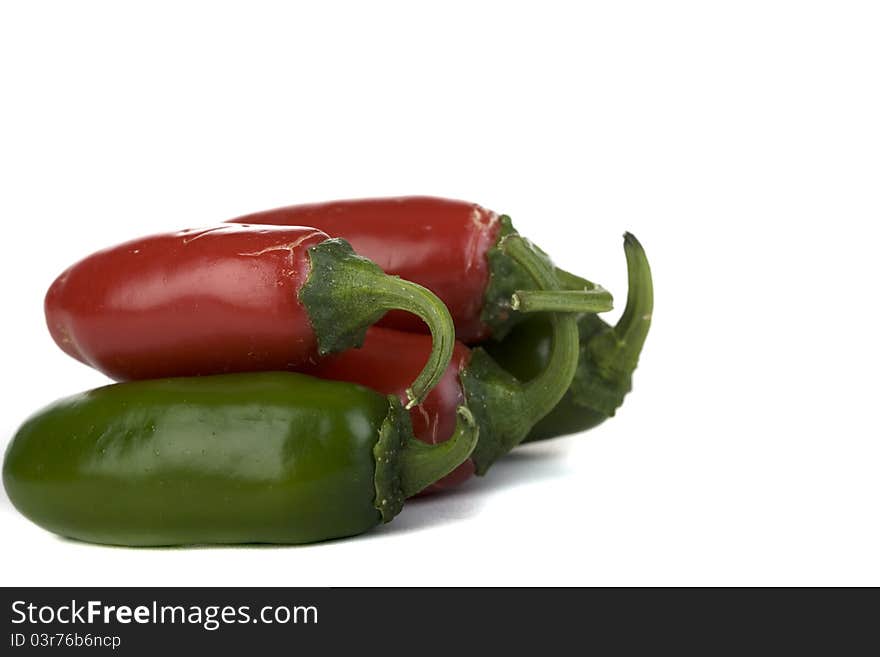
268,457
608,354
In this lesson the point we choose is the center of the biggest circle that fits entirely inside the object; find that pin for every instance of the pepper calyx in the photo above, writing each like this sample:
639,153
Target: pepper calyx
395,429
512,293
345,294
506,276
405,466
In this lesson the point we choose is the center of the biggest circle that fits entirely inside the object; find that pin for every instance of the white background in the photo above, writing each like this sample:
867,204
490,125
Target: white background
740,141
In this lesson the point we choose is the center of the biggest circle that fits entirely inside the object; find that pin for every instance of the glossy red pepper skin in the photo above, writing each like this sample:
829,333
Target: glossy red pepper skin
439,243
193,302
434,419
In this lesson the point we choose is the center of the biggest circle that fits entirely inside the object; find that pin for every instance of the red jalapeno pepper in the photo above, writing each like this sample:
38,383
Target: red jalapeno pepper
505,408
448,246
231,299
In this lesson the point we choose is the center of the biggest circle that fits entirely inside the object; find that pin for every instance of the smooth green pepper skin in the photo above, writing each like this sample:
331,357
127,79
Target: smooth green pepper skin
239,458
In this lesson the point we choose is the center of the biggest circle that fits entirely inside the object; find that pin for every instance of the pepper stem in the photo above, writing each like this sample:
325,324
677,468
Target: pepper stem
597,300
345,294
507,408
422,464
616,351
541,394
405,466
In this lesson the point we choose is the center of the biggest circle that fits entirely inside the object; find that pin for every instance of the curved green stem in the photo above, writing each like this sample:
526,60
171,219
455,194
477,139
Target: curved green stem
636,319
596,300
345,294
616,350
422,464
392,292
405,466
506,408
542,393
